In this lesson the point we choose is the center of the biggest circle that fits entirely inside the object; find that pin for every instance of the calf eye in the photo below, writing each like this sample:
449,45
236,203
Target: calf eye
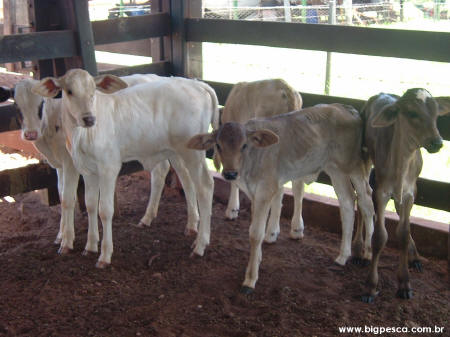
244,147
413,114
40,110
69,92
218,147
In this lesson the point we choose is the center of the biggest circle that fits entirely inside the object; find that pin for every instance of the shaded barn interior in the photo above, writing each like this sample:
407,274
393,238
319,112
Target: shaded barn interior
62,37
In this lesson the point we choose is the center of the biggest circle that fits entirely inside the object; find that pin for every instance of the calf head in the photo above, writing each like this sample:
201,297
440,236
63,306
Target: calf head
29,108
232,142
416,113
79,92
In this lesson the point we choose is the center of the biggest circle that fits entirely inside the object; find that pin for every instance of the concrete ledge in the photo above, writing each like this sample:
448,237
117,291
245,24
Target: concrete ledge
432,238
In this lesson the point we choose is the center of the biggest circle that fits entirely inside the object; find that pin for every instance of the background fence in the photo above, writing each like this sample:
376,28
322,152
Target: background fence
63,37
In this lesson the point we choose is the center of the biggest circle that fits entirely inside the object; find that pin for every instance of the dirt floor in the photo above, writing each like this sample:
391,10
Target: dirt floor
154,288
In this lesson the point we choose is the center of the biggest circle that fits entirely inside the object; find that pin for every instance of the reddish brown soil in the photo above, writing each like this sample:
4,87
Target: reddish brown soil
300,291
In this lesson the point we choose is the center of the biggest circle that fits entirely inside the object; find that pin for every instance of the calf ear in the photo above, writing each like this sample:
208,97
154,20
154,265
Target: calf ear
385,117
203,141
109,84
444,105
5,94
262,138
48,87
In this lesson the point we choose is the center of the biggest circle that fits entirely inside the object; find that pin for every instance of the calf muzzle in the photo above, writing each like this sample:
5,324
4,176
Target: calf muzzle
434,145
30,135
89,121
230,175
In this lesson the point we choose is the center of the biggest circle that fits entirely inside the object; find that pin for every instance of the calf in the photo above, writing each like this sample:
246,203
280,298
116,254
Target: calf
396,128
150,123
263,154
41,124
264,98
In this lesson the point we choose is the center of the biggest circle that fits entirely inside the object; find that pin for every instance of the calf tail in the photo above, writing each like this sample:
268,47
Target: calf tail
215,119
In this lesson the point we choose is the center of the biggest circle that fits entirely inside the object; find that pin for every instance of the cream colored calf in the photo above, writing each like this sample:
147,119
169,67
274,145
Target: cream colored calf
263,154
264,98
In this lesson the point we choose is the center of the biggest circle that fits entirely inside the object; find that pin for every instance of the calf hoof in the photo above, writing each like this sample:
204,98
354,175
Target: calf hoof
296,234
231,214
88,252
102,264
271,238
190,231
405,294
341,260
368,298
141,225
64,250
247,290
360,261
416,265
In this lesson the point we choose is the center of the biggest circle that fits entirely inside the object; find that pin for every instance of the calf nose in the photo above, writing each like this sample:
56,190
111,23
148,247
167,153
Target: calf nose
434,145
30,135
230,175
89,121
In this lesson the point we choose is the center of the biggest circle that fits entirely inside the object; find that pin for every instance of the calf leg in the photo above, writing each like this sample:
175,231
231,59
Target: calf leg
190,194
68,201
204,188
91,195
366,213
404,237
358,241
106,212
232,210
379,240
60,175
260,210
413,254
158,176
273,228
346,197
297,226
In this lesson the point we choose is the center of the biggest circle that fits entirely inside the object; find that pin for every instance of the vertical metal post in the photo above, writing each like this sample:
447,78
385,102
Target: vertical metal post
287,11
437,10
402,13
331,21
304,12
235,11
348,11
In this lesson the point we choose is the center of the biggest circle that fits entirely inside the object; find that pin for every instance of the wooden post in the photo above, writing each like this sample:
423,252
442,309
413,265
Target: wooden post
160,47
86,36
9,24
194,51
177,15
186,57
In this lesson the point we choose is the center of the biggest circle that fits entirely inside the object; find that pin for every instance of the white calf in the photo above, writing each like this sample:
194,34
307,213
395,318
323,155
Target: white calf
41,124
150,123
